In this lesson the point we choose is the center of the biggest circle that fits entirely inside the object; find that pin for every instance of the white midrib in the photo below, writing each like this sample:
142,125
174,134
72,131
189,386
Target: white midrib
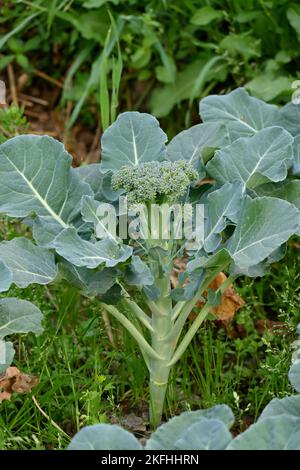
11,322
238,119
136,160
260,159
257,242
212,230
94,214
191,160
39,197
25,271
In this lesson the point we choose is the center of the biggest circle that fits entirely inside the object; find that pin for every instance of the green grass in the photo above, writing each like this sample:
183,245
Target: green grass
84,380
157,56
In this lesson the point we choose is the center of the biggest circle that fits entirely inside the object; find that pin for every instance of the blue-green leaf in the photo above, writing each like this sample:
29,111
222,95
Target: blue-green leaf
191,144
138,273
265,223
81,252
289,118
28,263
296,161
287,190
36,176
19,316
133,139
6,277
294,375
207,434
267,155
7,354
243,114
90,281
166,435
104,437
99,182
276,433
282,406
221,207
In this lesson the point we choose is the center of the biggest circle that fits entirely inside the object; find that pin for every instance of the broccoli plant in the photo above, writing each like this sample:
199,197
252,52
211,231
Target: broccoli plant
278,428
113,229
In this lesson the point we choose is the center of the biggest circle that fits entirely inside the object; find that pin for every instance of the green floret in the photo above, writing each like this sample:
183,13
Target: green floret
154,181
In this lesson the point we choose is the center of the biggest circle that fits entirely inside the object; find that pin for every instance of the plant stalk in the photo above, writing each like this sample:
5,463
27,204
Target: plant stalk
160,368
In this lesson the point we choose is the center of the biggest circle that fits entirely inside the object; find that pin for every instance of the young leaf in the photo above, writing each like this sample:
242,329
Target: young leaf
133,139
138,273
92,175
218,261
99,182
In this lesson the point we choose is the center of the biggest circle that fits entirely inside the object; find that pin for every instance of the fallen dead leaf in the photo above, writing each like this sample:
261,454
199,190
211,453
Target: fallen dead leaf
15,381
231,301
133,423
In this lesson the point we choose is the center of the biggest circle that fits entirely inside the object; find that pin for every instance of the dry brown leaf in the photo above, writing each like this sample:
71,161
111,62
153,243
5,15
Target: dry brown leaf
179,266
14,381
231,301
134,423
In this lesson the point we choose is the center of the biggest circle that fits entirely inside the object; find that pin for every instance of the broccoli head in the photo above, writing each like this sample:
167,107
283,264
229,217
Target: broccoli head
155,182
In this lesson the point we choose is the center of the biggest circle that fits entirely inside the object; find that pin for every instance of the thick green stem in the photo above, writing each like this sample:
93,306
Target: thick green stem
165,327
159,368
